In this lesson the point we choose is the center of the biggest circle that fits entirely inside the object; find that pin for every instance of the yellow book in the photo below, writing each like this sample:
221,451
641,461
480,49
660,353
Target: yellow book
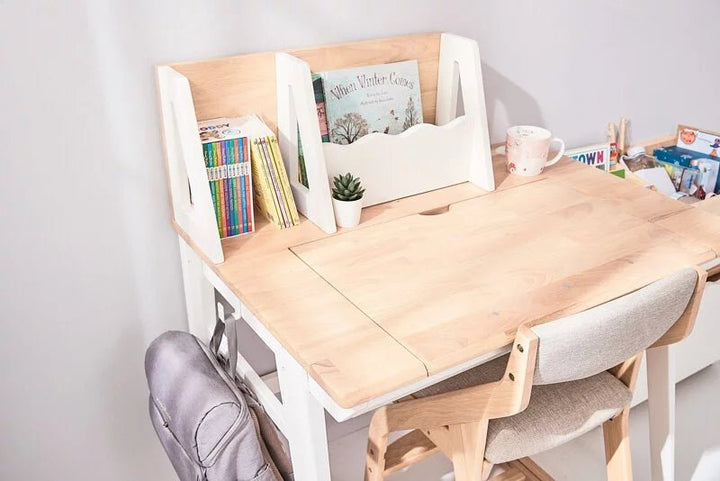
271,189
263,194
264,147
284,182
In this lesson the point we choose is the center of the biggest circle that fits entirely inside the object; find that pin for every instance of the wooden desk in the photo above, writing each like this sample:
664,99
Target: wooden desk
407,299
369,310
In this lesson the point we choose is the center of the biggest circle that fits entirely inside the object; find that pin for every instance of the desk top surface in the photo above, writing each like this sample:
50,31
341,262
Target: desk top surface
406,295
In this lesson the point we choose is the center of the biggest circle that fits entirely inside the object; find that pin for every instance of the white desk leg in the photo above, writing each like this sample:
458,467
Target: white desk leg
199,293
305,421
661,412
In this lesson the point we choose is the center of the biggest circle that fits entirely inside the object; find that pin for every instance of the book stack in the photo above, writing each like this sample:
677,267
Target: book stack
227,160
272,194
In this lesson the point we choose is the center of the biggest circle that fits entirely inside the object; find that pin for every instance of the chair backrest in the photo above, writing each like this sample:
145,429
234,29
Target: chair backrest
589,342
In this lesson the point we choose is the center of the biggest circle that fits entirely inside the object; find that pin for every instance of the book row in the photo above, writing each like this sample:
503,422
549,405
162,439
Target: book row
245,170
227,160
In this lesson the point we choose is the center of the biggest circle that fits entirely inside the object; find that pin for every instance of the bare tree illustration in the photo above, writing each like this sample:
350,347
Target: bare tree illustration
349,128
411,116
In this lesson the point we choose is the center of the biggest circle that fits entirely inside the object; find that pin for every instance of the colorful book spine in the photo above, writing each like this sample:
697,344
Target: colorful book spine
237,219
220,190
229,189
211,179
226,154
239,182
247,169
232,177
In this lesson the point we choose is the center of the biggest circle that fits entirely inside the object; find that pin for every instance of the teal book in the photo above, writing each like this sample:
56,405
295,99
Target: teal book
381,98
319,92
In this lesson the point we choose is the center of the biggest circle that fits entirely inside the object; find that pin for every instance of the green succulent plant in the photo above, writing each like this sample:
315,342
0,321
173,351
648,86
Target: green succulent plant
347,188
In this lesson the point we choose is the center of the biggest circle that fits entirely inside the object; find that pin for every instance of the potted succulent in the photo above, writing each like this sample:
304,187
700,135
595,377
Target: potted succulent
347,200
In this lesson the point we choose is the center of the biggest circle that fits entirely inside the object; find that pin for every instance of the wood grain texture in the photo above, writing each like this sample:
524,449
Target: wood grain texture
530,469
409,449
511,474
451,285
616,435
711,205
456,422
236,86
462,281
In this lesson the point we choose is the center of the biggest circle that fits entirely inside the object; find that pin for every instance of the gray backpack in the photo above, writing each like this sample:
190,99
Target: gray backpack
210,424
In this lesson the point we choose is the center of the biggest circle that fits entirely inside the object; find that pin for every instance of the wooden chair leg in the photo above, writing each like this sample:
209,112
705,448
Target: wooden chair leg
617,447
468,450
375,457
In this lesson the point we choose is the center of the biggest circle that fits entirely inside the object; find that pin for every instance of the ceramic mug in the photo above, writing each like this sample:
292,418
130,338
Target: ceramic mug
527,149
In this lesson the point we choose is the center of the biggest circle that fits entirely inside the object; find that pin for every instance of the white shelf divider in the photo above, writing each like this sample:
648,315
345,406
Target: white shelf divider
186,166
297,111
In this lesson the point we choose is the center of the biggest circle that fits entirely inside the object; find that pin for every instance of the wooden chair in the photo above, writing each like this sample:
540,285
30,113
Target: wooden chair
562,379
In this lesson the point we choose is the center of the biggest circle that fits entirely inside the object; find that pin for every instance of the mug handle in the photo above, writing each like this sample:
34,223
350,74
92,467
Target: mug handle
559,154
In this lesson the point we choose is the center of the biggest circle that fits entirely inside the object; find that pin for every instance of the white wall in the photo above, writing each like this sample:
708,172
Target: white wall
89,268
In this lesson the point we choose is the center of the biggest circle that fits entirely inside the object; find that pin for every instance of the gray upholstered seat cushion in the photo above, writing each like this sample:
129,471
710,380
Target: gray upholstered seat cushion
556,414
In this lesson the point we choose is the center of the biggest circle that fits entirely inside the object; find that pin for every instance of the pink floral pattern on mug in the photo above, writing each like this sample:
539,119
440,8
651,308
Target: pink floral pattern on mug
527,149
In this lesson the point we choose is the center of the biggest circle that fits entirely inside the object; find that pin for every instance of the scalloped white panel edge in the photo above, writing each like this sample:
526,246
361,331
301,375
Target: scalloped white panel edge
423,158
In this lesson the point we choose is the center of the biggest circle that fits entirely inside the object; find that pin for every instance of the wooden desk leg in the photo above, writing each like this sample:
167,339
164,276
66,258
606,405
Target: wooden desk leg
199,293
305,421
661,412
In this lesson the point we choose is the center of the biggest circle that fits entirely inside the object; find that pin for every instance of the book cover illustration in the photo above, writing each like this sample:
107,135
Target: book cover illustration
698,141
317,84
378,98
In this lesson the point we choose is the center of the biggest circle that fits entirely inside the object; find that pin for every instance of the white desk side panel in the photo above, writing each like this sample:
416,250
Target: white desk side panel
185,162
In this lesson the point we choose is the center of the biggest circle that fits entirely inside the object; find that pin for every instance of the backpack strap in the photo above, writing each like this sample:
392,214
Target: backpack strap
227,326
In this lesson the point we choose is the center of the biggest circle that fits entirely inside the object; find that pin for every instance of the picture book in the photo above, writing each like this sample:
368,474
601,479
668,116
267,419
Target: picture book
226,154
702,142
378,98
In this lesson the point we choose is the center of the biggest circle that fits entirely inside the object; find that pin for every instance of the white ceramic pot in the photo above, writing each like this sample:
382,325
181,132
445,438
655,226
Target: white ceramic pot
347,213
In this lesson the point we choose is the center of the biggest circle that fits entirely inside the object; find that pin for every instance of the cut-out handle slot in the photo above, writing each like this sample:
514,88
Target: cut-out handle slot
436,211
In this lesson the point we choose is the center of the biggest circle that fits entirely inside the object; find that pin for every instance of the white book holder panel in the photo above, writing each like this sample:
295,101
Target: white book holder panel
186,166
423,158
297,111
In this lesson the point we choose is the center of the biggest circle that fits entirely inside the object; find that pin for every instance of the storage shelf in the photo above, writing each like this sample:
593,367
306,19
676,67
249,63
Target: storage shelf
278,88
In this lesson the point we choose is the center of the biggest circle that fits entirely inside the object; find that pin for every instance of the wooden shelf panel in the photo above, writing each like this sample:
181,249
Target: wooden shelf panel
234,86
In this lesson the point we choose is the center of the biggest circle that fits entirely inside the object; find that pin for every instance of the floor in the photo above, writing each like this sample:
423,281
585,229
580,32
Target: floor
697,443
